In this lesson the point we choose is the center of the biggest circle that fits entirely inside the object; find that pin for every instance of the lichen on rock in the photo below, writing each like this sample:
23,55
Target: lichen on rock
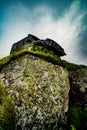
40,92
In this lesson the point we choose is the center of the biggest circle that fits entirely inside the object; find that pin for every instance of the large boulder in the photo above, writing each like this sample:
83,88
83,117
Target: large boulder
40,92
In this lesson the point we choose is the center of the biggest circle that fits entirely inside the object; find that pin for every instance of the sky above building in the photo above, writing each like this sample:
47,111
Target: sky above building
64,21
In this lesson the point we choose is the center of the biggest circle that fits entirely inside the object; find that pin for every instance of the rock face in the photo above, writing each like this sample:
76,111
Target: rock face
78,90
78,98
40,92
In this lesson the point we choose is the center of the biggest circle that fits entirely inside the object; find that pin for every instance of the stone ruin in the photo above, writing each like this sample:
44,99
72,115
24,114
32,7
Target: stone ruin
31,40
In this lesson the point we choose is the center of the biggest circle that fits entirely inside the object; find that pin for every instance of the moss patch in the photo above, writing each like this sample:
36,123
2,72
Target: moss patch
6,111
43,50
40,52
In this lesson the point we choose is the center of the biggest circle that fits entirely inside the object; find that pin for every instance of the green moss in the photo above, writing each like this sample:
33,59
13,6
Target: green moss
28,73
40,52
43,50
7,113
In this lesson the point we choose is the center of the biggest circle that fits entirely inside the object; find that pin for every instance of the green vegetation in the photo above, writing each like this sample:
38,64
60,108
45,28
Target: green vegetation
72,127
43,50
6,111
74,117
40,52
77,118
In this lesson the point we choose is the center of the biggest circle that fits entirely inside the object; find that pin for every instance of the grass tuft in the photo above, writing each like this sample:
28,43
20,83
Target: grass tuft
7,113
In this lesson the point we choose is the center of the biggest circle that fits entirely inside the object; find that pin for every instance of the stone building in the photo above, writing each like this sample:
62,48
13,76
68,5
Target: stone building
24,43
30,40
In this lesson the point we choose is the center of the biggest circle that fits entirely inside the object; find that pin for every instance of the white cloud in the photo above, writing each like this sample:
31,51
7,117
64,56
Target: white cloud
41,22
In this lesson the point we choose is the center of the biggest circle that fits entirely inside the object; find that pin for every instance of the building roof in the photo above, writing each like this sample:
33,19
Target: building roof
51,45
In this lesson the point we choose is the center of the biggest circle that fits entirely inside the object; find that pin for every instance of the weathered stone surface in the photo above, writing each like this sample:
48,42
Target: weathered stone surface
40,92
78,90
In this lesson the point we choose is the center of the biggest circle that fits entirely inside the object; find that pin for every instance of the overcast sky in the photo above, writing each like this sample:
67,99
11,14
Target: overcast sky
64,21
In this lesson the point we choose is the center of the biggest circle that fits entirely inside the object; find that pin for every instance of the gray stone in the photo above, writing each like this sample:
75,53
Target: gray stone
39,90
78,90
